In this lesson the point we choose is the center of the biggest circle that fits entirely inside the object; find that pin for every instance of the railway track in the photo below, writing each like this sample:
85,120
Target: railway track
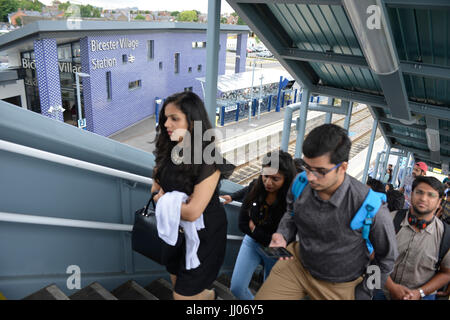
360,129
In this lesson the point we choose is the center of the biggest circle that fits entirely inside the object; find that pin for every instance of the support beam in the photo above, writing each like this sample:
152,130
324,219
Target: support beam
407,67
377,163
425,70
421,153
348,116
417,4
302,126
323,57
369,151
442,113
380,52
405,169
212,59
385,162
395,173
433,138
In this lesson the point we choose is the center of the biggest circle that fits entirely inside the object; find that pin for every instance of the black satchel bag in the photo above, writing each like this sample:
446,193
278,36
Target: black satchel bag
145,239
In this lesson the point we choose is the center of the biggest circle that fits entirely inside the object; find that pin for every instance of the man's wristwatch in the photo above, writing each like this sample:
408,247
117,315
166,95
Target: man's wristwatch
422,294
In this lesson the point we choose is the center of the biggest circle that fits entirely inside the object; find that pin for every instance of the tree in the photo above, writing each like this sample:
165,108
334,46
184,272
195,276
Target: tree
240,21
174,13
223,20
89,11
6,7
139,17
33,5
64,6
190,16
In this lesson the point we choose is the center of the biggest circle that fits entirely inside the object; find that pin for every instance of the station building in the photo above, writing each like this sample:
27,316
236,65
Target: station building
124,68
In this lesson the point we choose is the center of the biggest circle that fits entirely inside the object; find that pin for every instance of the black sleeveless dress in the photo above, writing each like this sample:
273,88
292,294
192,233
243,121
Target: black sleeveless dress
213,237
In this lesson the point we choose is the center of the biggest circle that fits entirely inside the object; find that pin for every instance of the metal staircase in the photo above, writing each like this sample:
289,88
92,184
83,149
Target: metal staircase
159,289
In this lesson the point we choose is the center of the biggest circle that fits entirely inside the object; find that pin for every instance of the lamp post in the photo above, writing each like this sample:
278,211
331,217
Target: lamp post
81,123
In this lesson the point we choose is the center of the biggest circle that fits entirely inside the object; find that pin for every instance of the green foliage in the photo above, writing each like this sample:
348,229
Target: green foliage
174,13
139,17
6,7
190,16
64,6
89,11
30,5
223,20
241,22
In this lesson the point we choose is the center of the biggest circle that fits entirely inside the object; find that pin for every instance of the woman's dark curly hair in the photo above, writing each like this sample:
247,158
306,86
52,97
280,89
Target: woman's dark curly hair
286,167
193,107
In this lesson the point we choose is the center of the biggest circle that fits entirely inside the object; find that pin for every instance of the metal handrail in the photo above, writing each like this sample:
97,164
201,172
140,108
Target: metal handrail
44,155
48,156
62,222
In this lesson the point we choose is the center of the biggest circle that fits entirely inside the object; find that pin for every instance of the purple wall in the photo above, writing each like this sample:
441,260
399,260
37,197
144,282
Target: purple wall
126,107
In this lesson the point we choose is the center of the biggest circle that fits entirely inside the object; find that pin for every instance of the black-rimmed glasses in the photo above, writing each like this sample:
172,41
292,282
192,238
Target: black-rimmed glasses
320,173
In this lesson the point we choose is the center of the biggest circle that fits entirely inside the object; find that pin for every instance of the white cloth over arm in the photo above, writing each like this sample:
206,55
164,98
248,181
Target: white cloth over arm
168,220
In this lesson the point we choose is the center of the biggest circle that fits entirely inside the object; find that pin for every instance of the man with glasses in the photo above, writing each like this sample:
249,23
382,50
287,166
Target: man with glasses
329,258
417,273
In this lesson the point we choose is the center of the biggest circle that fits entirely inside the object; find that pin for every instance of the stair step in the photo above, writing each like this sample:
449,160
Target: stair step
161,289
222,292
131,290
93,292
51,292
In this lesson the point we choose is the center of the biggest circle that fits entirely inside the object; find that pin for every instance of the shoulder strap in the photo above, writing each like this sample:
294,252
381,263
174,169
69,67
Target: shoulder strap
300,182
445,244
399,217
364,216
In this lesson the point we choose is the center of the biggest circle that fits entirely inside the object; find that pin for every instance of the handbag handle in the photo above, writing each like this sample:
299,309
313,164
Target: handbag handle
150,200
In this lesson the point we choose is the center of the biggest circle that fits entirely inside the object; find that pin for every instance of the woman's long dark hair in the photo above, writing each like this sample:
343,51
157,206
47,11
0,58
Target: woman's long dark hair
286,167
194,109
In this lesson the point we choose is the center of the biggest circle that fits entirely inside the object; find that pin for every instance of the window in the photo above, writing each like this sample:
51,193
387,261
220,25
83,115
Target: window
188,89
160,65
177,62
65,52
124,58
190,69
151,49
134,84
199,68
198,44
108,85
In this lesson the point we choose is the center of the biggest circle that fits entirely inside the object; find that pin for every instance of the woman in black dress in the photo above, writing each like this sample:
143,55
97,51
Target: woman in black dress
182,166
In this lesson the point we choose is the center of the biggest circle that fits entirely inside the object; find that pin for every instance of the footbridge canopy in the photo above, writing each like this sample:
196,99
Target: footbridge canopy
393,55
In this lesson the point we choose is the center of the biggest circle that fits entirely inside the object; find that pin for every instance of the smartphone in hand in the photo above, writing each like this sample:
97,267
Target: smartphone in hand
275,252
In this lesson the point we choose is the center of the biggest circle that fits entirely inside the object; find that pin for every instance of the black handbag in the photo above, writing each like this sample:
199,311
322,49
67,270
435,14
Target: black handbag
144,237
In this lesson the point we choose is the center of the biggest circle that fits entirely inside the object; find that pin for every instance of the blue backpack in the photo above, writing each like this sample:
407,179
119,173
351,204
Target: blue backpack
362,219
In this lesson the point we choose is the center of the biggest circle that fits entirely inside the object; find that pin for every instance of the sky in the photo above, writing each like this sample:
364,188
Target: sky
153,5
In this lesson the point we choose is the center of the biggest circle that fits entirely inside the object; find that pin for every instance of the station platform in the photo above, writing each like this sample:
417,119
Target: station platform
142,134
240,135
